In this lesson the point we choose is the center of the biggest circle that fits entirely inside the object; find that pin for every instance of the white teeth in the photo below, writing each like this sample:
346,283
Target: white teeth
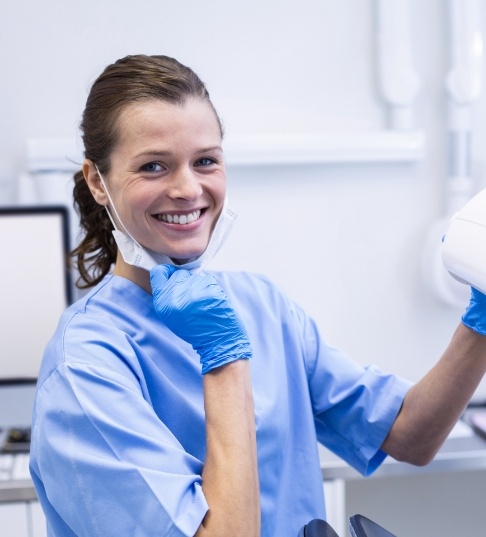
180,218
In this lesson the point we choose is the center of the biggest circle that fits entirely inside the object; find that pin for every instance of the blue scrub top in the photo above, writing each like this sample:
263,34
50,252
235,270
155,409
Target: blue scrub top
118,438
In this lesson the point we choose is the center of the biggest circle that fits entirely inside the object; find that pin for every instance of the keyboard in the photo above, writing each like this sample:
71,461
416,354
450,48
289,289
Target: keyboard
14,467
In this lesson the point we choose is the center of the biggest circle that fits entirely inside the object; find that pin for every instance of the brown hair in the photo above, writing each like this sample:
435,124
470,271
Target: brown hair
128,80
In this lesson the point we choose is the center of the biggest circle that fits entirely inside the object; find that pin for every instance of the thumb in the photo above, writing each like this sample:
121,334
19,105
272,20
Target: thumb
161,273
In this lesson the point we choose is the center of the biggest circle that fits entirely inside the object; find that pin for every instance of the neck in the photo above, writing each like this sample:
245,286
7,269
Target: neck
137,275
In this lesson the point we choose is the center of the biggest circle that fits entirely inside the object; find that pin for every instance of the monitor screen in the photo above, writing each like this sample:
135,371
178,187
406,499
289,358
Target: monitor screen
35,286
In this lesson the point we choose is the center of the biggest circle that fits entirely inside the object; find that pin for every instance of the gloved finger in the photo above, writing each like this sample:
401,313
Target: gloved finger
179,275
170,287
477,295
475,315
161,273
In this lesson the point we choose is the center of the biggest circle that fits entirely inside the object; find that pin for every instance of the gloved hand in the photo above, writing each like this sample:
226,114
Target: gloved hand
197,310
475,315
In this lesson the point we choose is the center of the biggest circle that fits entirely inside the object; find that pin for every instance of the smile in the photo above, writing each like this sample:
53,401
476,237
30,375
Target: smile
179,218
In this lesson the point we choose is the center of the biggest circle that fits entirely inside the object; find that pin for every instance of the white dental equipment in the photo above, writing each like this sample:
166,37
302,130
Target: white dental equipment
464,245
463,87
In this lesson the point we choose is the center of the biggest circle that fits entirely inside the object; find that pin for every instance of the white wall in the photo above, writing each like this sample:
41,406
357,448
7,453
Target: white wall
345,241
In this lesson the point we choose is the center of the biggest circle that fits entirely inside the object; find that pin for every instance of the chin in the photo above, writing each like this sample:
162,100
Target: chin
184,260
179,258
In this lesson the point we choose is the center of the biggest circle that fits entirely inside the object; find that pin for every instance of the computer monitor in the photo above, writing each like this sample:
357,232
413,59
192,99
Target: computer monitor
35,286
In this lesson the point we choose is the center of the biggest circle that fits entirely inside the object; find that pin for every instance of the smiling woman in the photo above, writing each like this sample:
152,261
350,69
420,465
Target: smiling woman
174,401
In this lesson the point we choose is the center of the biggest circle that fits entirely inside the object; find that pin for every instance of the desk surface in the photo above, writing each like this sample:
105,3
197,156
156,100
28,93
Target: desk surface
17,491
457,454
461,452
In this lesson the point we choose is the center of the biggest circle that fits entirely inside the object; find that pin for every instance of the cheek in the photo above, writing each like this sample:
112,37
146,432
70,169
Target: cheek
219,190
137,198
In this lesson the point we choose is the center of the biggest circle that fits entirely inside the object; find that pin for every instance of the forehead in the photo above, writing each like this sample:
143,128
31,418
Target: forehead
156,118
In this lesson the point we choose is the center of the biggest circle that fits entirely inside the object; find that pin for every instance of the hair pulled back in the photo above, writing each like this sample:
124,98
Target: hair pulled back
128,80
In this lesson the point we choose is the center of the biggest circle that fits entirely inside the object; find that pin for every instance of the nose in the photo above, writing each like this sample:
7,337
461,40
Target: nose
184,184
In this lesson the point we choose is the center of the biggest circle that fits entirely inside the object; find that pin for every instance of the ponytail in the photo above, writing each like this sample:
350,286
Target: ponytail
96,253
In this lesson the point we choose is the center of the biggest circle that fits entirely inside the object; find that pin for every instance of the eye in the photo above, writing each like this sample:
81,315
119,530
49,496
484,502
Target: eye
151,167
205,161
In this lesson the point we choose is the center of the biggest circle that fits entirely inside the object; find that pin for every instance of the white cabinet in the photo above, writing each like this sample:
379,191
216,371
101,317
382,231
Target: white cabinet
22,519
14,520
37,520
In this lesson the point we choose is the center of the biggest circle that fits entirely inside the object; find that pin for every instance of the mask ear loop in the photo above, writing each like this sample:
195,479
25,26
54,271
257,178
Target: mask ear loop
114,209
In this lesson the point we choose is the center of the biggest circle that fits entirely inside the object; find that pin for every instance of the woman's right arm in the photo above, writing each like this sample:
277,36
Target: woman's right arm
196,309
230,476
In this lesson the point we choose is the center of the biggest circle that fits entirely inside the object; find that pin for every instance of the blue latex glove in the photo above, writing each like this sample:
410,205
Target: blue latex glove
197,310
475,314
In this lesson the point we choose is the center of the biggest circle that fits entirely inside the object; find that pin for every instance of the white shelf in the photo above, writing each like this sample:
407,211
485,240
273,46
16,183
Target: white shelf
65,155
377,146
47,155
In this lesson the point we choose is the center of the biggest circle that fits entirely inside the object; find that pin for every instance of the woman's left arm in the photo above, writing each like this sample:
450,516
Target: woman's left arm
433,405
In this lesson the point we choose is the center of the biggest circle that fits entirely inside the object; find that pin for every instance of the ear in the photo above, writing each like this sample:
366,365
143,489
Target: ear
94,183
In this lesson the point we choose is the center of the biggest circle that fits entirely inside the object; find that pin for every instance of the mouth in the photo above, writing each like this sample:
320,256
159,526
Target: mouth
186,218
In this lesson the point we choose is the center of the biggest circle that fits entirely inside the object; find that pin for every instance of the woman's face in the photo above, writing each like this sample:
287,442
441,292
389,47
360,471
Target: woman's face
167,177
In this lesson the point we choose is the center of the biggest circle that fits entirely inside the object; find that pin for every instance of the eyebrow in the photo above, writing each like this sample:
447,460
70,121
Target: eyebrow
158,152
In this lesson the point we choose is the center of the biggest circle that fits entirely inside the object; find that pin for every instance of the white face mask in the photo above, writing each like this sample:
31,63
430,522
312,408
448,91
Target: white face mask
135,254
